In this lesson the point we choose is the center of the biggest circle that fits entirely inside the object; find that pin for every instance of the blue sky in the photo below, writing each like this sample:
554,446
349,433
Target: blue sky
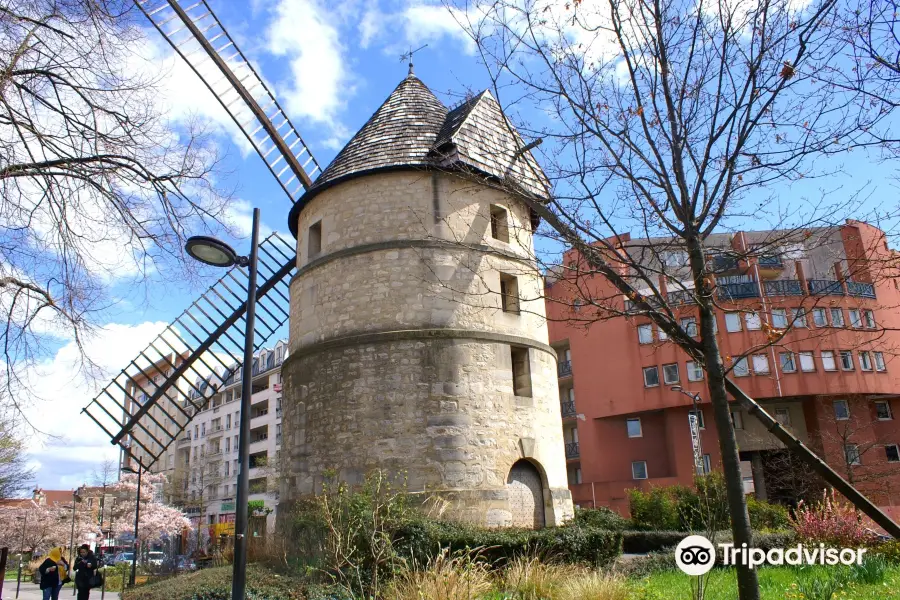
330,66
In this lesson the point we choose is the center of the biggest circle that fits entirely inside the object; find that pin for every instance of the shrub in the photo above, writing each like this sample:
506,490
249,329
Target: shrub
654,509
529,578
870,572
601,518
766,516
215,584
595,586
422,540
459,576
704,508
831,522
641,542
645,566
777,539
889,550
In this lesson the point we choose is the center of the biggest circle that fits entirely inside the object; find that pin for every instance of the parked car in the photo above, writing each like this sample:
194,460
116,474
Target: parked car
155,558
184,564
121,557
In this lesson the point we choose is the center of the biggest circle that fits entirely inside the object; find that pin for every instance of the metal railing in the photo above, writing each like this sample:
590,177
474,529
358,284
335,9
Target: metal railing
681,297
861,289
825,287
732,291
572,450
567,408
564,368
770,261
722,263
783,287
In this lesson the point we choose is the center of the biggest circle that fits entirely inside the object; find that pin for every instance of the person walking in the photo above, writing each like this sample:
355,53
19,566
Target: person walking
54,572
86,566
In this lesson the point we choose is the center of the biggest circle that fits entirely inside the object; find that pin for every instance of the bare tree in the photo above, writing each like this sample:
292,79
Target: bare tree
674,119
95,181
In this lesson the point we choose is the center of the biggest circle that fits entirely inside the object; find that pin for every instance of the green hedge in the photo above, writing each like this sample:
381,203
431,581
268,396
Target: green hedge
215,584
601,518
420,541
643,542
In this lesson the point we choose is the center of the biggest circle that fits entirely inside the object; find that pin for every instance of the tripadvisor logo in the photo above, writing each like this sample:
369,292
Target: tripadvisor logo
696,555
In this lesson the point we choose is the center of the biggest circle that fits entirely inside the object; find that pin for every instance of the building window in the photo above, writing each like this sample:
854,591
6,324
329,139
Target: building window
227,470
879,361
892,453
732,322
779,318
799,317
645,334
869,319
807,363
499,223
699,414
828,363
227,444
689,325
670,373
841,410
314,240
521,371
228,421
855,318
737,419
741,367
707,467
639,469
837,317
694,371
651,376
509,293
846,360
787,362
752,321
819,318
634,428
883,410
865,361
851,453
760,364
783,416
663,336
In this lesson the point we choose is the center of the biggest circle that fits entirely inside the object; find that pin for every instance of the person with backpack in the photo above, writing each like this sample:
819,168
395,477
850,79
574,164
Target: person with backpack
86,575
54,572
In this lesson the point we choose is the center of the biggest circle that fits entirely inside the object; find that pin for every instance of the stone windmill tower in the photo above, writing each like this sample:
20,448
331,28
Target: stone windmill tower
417,338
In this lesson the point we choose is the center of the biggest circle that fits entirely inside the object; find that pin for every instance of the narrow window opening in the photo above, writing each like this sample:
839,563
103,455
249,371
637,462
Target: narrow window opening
521,372
499,223
509,293
314,247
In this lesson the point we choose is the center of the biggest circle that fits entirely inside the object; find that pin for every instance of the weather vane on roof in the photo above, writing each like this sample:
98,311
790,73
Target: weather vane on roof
409,56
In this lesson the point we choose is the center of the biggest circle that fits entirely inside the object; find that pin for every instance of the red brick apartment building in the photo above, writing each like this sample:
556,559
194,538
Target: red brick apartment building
833,379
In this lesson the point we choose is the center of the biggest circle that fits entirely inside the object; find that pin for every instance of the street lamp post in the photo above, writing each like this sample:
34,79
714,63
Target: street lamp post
137,517
694,422
76,497
214,252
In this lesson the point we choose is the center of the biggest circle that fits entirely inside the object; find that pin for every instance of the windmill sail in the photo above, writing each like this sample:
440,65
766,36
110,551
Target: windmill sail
148,406
195,33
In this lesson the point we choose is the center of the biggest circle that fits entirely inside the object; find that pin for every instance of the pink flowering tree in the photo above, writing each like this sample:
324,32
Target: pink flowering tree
45,526
830,521
157,519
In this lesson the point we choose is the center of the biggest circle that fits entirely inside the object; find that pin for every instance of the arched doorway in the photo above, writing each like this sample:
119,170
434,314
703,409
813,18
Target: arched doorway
526,495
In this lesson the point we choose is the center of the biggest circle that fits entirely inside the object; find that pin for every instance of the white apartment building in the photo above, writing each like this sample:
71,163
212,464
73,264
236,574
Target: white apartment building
206,457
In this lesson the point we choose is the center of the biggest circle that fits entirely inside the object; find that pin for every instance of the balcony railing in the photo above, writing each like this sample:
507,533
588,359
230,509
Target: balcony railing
681,297
722,263
572,450
568,408
783,287
770,262
825,287
732,291
564,368
861,289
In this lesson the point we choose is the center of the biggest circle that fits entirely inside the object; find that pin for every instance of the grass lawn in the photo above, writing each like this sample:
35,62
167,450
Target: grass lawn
776,583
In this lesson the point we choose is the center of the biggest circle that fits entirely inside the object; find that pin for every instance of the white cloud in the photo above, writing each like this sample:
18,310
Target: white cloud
302,31
425,23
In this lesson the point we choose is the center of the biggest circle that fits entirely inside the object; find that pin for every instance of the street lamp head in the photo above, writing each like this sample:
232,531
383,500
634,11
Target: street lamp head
677,388
211,251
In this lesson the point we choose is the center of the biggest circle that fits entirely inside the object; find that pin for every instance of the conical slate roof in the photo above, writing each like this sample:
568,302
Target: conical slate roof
413,129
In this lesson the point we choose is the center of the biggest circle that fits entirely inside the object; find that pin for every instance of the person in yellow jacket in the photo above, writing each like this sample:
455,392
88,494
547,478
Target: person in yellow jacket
54,572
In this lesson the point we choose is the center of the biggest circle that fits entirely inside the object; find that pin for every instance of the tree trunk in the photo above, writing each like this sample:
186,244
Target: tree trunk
748,583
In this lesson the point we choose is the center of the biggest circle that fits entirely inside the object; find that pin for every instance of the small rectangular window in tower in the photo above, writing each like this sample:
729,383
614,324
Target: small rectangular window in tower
499,223
509,293
314,240
521,371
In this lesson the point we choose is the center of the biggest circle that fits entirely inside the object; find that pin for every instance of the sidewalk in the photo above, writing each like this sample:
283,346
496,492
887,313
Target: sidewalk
30,591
